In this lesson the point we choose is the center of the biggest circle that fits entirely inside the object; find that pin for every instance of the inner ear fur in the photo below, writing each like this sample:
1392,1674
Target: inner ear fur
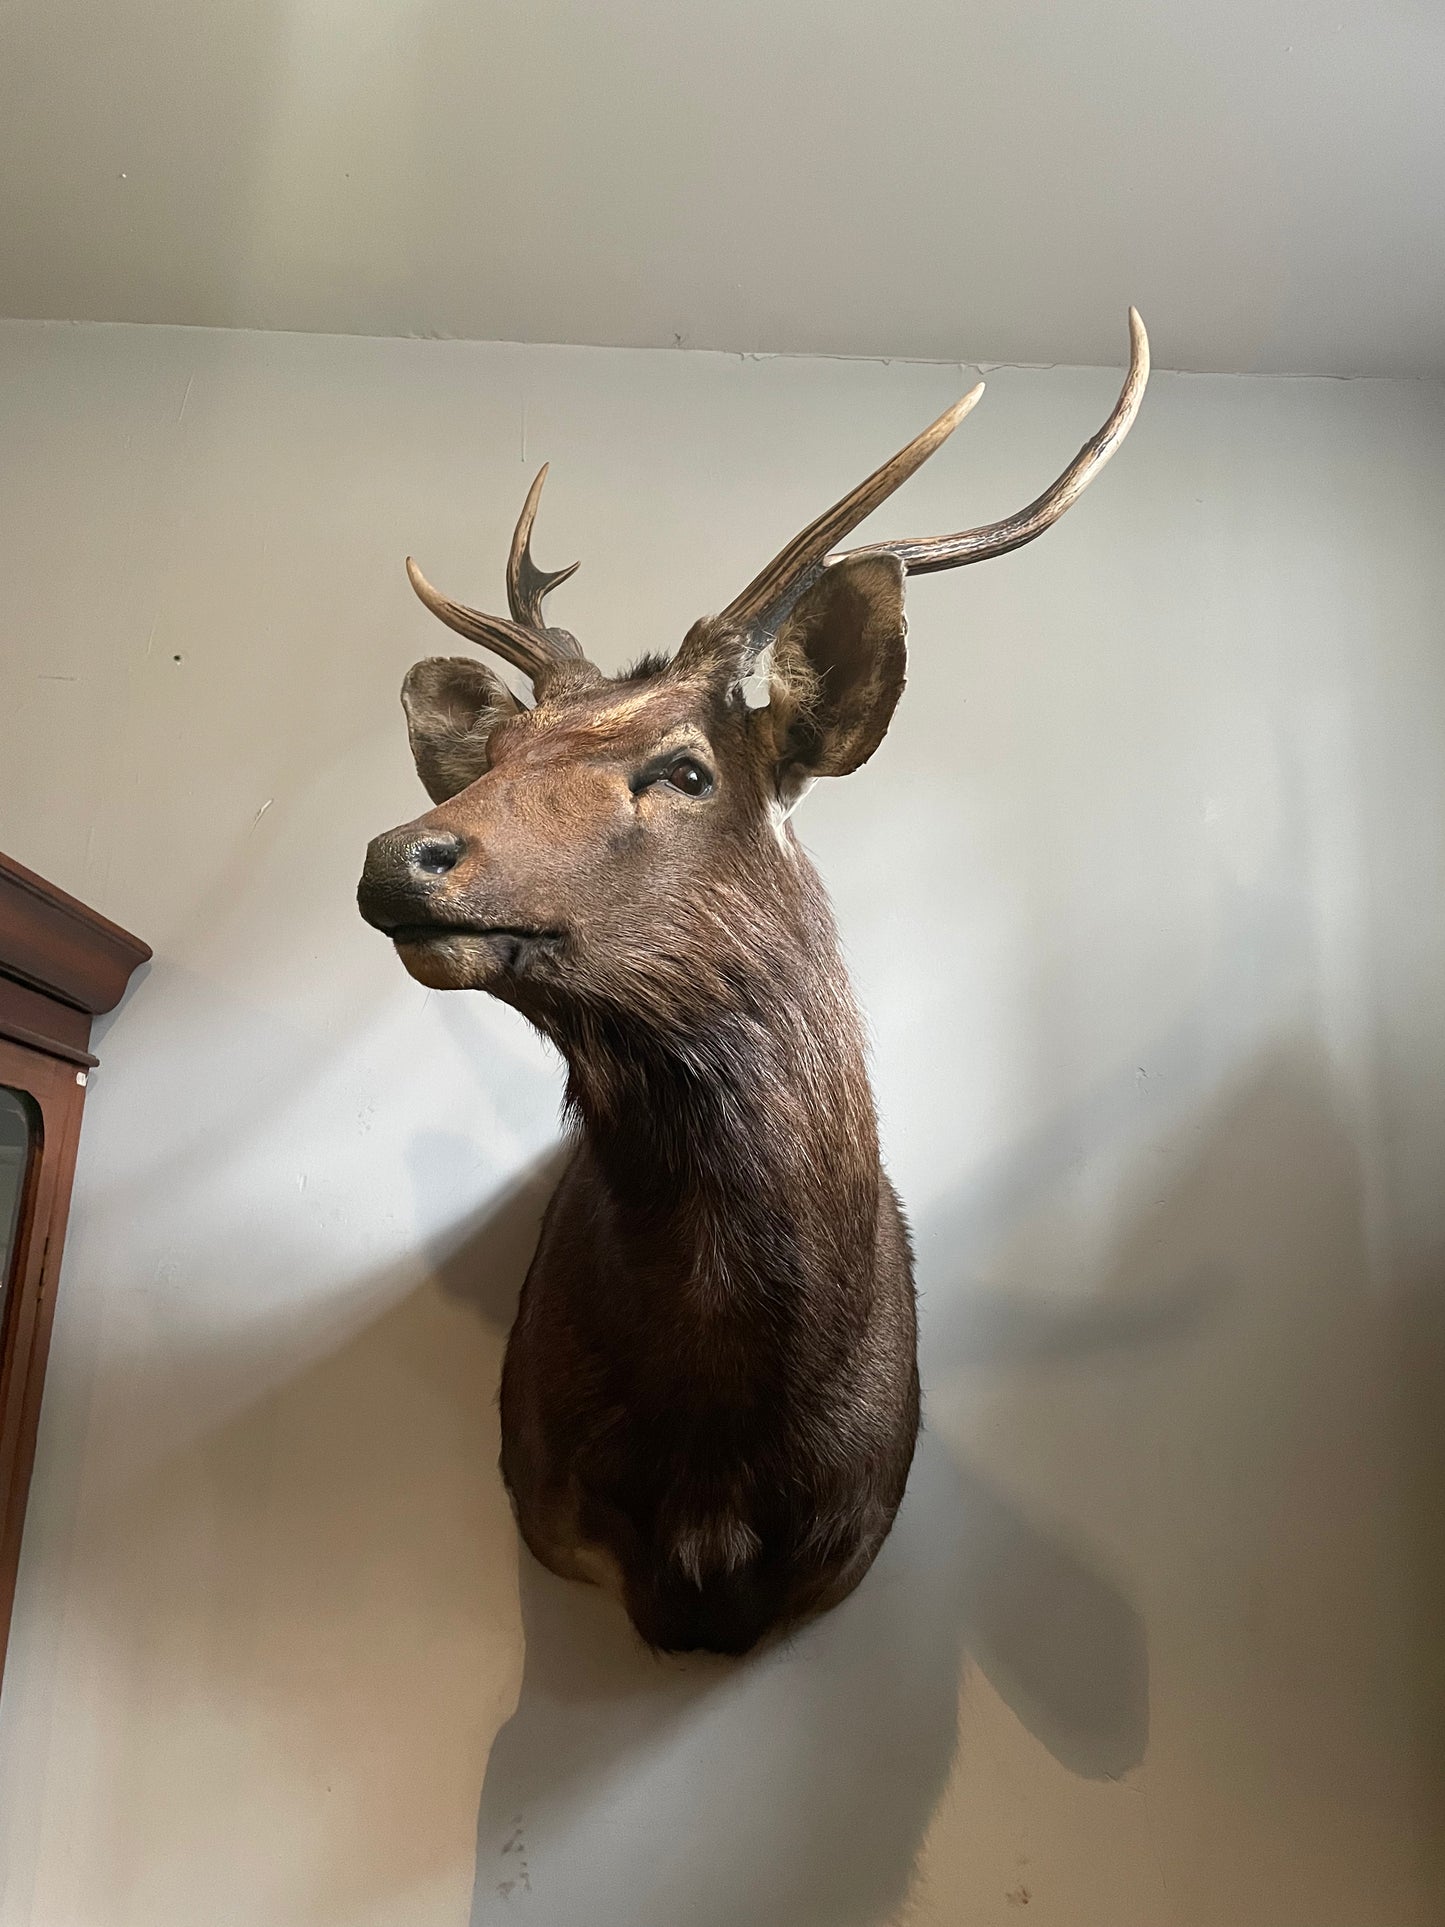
839,665
452,705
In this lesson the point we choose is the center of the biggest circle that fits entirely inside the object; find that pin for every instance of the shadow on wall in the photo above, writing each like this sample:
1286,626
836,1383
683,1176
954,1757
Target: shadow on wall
312,1609
795,1787
792,1789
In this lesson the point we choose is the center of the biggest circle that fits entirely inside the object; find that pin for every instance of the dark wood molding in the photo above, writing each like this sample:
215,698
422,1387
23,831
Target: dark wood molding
56,1092
28,1016
51,941
60,966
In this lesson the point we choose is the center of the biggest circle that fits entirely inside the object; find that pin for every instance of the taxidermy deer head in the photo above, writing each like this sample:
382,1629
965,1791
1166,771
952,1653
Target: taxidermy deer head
710,1395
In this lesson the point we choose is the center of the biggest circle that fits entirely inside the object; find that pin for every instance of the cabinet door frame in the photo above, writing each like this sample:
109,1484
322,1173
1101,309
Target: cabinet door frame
56,1088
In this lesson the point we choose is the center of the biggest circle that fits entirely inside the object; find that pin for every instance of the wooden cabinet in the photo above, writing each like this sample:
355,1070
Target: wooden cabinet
61,965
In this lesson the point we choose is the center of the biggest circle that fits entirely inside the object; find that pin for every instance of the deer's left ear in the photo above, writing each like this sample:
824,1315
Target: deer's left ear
452,705
838,668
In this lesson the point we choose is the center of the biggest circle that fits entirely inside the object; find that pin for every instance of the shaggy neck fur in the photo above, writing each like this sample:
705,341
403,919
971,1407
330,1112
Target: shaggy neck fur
724,1098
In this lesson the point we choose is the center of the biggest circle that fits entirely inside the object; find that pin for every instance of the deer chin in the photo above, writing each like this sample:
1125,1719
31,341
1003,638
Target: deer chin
471,956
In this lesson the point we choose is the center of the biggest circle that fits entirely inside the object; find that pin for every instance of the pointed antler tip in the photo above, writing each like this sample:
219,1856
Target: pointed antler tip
951,417
433,598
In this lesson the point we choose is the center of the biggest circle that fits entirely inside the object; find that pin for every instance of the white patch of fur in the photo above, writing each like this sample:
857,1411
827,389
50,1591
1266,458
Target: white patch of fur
756,687
783,807
798,794
720,1544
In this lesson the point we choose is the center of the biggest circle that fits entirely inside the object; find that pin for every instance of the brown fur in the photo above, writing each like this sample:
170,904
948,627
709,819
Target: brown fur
710,1394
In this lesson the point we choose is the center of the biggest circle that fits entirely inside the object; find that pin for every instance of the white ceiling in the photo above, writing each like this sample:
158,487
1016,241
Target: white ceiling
993,180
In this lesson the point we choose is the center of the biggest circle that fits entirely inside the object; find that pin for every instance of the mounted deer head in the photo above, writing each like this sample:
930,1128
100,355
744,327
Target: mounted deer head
613,797
710,1395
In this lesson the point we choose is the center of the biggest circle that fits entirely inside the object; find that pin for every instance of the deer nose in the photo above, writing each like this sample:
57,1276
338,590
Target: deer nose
403,869
436,855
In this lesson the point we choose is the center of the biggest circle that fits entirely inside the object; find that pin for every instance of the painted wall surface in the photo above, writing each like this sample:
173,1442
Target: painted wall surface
1142,898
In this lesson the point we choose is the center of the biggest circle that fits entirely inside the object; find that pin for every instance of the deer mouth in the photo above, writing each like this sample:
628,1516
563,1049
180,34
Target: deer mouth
512,944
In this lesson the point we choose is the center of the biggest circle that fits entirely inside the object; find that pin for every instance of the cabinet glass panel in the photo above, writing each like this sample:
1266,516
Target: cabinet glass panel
17,1146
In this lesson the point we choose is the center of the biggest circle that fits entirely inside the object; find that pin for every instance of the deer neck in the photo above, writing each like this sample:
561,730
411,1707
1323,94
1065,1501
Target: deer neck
736,1130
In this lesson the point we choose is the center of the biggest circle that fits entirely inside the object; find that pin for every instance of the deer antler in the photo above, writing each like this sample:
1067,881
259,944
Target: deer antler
526,642
769,596
526,583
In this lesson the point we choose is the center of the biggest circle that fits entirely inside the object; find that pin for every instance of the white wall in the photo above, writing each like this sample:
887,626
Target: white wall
741,175
1142,896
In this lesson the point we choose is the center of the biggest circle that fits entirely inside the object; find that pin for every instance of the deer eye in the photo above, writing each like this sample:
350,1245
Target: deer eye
689,777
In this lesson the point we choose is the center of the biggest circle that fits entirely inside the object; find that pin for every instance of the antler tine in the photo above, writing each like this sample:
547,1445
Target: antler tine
533,654
527,643
769,595
526,583
923,554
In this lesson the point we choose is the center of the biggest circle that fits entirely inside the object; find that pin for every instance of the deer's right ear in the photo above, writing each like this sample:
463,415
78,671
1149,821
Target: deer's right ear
838,668
452,705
